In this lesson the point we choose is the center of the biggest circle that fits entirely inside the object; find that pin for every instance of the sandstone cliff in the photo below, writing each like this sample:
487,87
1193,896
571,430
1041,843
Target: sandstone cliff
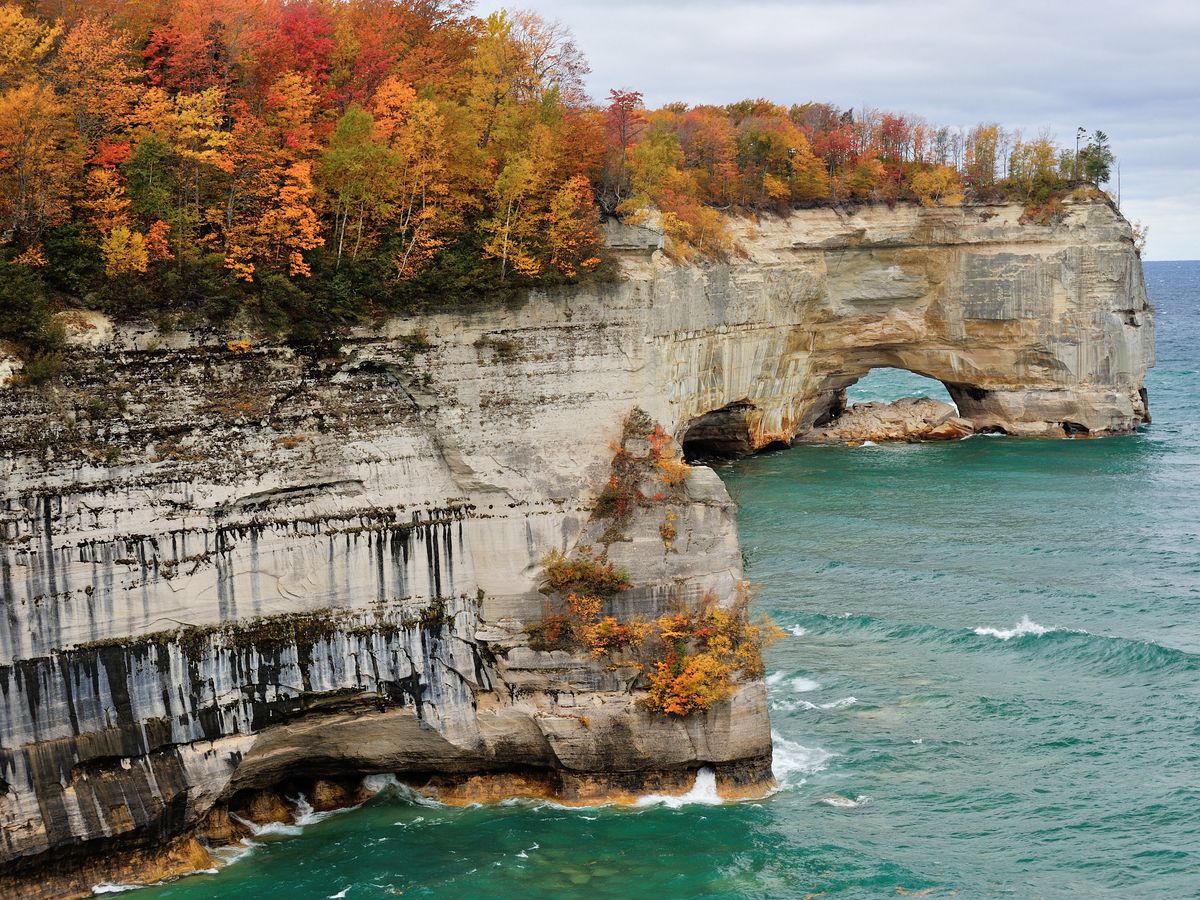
225,565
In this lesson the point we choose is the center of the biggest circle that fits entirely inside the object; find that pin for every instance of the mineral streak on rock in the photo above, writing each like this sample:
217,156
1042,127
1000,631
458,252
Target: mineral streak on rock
225,565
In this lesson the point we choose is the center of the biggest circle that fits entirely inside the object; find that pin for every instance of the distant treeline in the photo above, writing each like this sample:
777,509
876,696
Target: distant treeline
307,163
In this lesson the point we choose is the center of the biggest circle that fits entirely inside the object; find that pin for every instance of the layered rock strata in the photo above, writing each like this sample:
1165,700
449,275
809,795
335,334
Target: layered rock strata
224,564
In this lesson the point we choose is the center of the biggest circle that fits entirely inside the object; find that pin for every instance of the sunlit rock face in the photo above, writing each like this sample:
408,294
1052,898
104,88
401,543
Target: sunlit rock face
223,565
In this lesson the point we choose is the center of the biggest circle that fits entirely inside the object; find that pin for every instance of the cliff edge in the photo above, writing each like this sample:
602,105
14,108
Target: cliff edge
226,566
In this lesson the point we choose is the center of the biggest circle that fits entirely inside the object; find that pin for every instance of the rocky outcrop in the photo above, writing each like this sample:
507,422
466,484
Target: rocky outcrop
909,419
225,565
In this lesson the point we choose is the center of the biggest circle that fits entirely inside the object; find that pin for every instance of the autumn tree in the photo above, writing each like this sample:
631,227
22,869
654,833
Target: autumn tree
982,148
25,43
572,229
269,219
38,162
94,75
624,121
939,186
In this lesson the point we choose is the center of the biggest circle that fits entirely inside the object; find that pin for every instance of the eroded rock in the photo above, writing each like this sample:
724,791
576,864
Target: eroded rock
908,419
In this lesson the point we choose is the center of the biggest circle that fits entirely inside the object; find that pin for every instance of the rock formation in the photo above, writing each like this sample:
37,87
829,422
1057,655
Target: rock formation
909,419
224,565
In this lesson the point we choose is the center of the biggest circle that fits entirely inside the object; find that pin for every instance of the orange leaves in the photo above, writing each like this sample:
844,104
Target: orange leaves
704,653
158,245
689,685
573,231
37,159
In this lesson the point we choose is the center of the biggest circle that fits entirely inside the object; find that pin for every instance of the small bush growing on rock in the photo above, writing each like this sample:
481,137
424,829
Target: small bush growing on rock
703,653
581,626
673,471
588,574
42,366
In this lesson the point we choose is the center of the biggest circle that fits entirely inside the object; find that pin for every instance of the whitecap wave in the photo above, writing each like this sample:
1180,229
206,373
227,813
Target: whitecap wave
1023,628
340,894
837,801
798,631
269,829
800,684
703,792
789,705
109,888
390,784
524,854
792,761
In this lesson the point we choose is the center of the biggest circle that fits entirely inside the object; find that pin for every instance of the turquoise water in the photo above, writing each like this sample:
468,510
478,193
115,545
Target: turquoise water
990,687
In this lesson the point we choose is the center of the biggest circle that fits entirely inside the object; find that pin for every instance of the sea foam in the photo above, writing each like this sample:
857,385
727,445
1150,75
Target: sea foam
792,761
703,793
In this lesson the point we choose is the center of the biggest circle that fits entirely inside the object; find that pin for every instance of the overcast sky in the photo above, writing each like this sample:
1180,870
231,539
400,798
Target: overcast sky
1131,69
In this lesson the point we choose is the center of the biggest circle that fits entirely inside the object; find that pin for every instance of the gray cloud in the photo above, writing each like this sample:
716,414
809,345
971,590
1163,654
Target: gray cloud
1131,69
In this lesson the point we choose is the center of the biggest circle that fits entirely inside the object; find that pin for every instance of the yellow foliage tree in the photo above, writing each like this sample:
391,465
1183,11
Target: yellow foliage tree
124,252
38,162
24,43
573,228
939,186
105,200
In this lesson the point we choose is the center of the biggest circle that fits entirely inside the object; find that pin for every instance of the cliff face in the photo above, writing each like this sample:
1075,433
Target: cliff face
223,566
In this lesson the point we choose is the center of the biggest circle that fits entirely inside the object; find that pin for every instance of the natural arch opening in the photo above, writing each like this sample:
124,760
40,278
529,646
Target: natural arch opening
880,403
888,384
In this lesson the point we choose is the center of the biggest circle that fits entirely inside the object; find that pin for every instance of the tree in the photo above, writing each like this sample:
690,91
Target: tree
38,162
92,72
1097,159
269,218
574,236
624,121
24,44
982,149
124,252
354,169
939,186
426,194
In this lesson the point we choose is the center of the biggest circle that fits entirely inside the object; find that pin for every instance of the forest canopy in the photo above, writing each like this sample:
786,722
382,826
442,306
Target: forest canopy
311,163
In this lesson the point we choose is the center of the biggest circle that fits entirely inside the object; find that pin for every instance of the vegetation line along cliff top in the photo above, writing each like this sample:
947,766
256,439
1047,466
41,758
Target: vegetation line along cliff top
297,166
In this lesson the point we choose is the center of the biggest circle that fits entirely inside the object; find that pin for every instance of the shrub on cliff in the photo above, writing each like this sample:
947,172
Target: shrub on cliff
587,573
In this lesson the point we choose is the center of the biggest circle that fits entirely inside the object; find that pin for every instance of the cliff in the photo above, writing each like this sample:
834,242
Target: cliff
225,566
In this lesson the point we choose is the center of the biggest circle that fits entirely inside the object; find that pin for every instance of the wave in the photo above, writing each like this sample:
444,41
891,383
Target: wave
793,761
1113,654
799,684
797,631
703,793
392,786
837,801
1025,627
269,829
